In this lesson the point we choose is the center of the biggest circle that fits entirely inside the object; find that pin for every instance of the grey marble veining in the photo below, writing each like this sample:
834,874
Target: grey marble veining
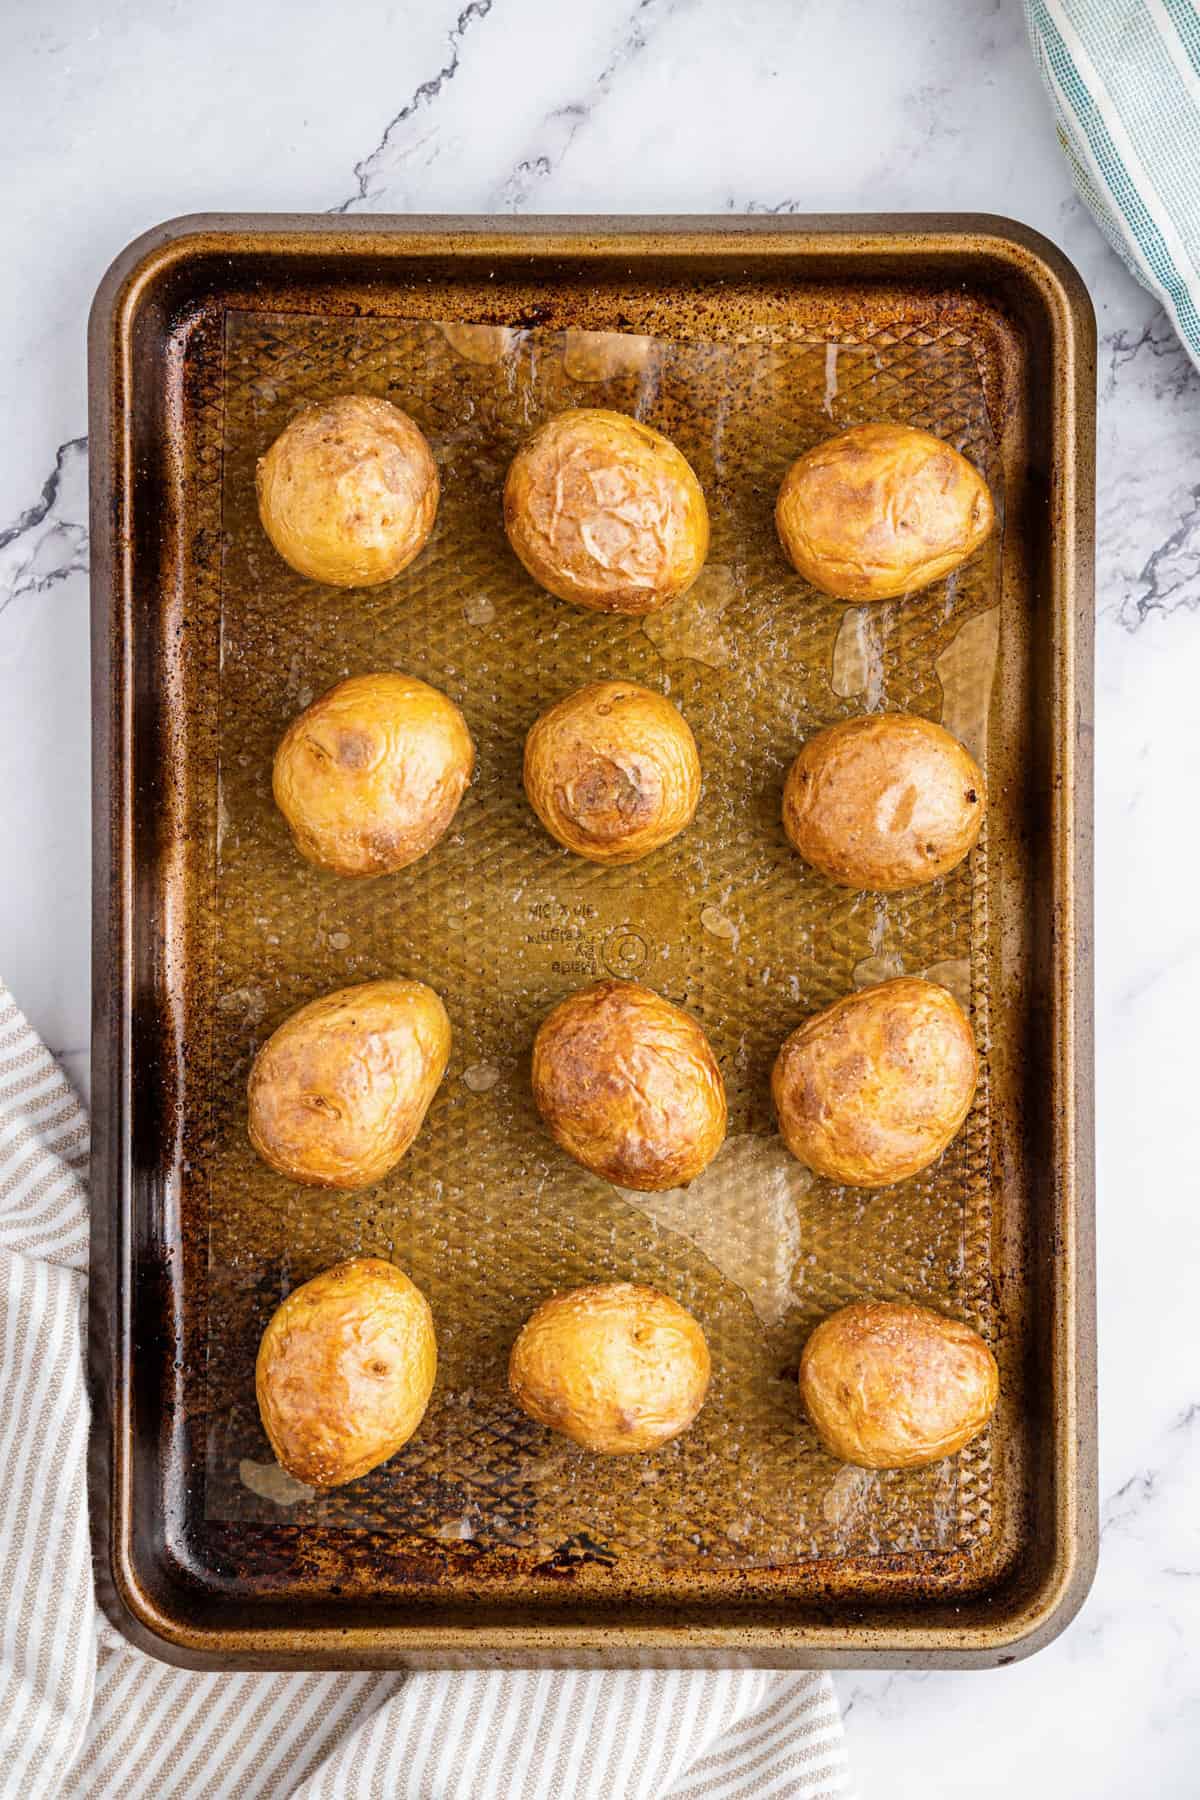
118,116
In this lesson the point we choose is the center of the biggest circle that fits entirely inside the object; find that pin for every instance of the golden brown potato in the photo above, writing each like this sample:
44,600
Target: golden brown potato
339,1090
606,512
612,771
371,774
348,492
874,1088
615,1367
889,1386
345,1370
881,510
628,1086
884,802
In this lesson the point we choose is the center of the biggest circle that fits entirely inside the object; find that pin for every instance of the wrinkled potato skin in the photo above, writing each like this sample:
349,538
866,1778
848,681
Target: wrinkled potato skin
371,774
612,771
345,1370
880,511
889,1386
628,1086
338,1092
348,492
874,1088
884,802
616,1367
606,512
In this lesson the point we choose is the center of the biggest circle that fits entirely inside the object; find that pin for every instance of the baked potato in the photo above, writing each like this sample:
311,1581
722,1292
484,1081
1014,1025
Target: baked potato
606,512
371,774
628,1086
616,1367
339,1090
873,1089
348,492
884,802
612,771
345,1370
880,511
891,1386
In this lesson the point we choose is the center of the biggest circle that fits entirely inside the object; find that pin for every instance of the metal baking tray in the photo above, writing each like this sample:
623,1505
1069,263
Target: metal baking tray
487,1541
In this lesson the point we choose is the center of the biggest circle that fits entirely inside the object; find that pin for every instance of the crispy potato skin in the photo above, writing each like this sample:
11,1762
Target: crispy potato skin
338,1092
345,1370
612,771
884,802
880,511
873,1089
371,774
605,512
628,1086
617,1368
348,492
889,1386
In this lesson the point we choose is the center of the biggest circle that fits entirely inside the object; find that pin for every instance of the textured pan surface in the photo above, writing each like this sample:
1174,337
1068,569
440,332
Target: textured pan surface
483,1509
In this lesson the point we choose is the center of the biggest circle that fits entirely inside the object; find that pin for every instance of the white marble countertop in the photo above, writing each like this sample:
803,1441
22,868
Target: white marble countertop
115,117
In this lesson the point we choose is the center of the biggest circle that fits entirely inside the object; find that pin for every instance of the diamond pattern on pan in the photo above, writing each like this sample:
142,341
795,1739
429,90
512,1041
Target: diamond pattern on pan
484,1212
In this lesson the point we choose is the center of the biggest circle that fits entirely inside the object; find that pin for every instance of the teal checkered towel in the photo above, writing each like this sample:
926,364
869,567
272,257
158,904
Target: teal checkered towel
1124,76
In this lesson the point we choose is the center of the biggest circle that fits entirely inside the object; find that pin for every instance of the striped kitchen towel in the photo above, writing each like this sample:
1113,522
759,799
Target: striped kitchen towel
81,1713
1124,76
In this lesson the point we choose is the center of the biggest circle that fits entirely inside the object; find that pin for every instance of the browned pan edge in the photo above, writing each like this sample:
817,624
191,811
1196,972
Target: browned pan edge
162,1606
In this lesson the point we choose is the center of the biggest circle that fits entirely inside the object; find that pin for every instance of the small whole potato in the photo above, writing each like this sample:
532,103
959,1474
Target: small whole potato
616,1367
339,1090
612,771
371,774
889,1386
874,1088
628,1086
606,512
345,1370
348,492
884,802
880,511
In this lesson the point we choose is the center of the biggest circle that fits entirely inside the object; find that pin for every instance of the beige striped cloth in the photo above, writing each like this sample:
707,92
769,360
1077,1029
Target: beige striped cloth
81,1713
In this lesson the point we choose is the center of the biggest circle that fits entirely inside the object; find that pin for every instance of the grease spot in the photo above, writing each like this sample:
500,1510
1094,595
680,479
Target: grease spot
455,1531
857,665
270,1482
846,1495
742,1213
479,610
481,1077
831,380
248,1003
967,671
876,968
481,343
718,926
601,355
955,975
693,627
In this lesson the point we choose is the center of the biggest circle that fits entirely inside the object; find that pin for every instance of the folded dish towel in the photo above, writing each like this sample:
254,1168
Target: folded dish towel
1124,76
81,1713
